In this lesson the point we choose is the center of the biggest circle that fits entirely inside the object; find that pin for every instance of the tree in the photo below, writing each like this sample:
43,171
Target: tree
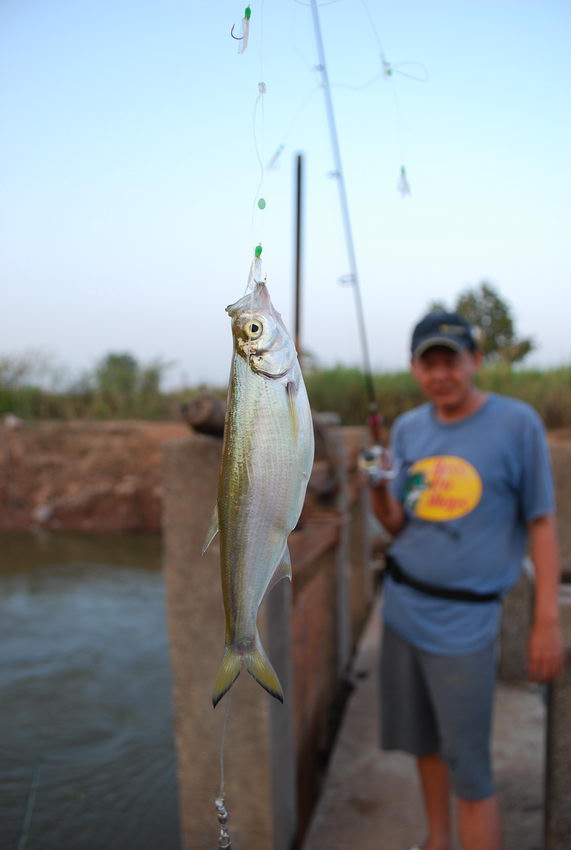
124,386
33,367
491,316
117,374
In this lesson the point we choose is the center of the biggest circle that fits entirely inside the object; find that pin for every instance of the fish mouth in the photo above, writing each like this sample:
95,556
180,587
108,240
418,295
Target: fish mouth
251,354
257,354
255,299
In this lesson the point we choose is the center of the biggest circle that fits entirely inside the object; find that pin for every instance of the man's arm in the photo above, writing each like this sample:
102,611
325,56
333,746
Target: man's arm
387,509
545,651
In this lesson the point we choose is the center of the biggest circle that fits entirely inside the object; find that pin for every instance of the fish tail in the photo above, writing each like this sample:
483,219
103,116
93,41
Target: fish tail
228,672
257,664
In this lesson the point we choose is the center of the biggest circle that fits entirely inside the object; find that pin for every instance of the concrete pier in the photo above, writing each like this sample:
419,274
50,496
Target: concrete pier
259,751
371,799
516,623
558,745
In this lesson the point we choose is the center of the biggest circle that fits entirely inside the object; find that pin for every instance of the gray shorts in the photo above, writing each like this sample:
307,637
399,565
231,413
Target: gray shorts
440,704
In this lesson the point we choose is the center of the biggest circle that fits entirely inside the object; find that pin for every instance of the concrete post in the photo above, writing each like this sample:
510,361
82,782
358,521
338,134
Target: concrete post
259,752
561,463
358,533
362,577
514,632
342,564
558,745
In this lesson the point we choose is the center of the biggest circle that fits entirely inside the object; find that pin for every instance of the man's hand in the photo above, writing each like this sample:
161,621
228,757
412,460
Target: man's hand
545,651
376,466
386,508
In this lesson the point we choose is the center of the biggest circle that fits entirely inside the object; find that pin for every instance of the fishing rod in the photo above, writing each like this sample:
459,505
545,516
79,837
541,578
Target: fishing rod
374,419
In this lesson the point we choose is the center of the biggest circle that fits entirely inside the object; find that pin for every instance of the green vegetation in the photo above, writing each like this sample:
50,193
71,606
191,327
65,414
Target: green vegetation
549,391
121,388
117,388
343,390
487,312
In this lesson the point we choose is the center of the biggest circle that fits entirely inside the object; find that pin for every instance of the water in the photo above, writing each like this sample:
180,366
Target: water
85,712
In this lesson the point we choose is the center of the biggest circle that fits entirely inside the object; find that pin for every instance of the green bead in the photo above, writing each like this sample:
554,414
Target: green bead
262,204
247,13
258,251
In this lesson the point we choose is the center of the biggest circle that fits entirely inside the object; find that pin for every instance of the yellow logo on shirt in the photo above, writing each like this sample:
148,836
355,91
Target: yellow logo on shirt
442,488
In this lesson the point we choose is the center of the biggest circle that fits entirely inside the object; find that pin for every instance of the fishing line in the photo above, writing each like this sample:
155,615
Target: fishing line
301,108
303,103
293,28
224,840
387,72
396,69
259,201
254,275
29,808
373,28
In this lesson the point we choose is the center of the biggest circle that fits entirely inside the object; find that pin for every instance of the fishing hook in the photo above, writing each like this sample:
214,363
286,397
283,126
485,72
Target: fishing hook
236,37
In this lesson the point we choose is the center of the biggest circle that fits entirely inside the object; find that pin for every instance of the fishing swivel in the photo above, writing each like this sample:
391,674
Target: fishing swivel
224,842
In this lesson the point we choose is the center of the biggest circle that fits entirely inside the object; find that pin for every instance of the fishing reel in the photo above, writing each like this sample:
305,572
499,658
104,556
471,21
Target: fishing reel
377,464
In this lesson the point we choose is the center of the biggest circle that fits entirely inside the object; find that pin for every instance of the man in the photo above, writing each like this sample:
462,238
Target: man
472,490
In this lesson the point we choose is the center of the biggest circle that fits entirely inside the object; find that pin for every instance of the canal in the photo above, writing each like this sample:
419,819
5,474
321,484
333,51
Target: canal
86,740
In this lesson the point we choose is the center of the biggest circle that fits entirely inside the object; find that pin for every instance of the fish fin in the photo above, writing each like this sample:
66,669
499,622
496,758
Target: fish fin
228,672
283,570
212,529
259,666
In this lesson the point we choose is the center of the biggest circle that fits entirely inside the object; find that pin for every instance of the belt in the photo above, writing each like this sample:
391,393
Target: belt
400,577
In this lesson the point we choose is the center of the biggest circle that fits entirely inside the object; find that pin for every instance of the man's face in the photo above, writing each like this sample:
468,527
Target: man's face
446,376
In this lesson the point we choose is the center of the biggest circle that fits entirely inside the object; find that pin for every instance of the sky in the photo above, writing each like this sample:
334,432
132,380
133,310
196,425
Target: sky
129,173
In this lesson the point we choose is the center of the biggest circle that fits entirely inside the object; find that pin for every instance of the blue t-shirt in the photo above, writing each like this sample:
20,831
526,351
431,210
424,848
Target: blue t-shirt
469,489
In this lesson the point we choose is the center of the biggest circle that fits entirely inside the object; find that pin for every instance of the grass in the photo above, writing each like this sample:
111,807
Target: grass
340,390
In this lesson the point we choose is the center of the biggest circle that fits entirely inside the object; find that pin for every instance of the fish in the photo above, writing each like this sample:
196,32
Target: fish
267,457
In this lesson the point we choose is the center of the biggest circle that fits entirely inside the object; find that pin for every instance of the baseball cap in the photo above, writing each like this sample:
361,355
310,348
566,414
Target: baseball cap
448,329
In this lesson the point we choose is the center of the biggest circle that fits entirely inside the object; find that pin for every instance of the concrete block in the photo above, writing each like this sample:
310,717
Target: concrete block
259,752
314,633
561,463
516,623
558,745
343,567
362,576
354,579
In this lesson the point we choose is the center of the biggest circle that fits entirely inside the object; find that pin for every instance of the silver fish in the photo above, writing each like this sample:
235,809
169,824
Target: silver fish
266,462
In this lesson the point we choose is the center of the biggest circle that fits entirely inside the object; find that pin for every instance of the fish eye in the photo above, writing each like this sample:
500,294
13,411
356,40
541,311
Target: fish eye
253,329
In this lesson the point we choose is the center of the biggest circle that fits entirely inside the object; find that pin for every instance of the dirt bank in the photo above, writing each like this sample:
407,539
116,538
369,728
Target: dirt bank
83,476
106,476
